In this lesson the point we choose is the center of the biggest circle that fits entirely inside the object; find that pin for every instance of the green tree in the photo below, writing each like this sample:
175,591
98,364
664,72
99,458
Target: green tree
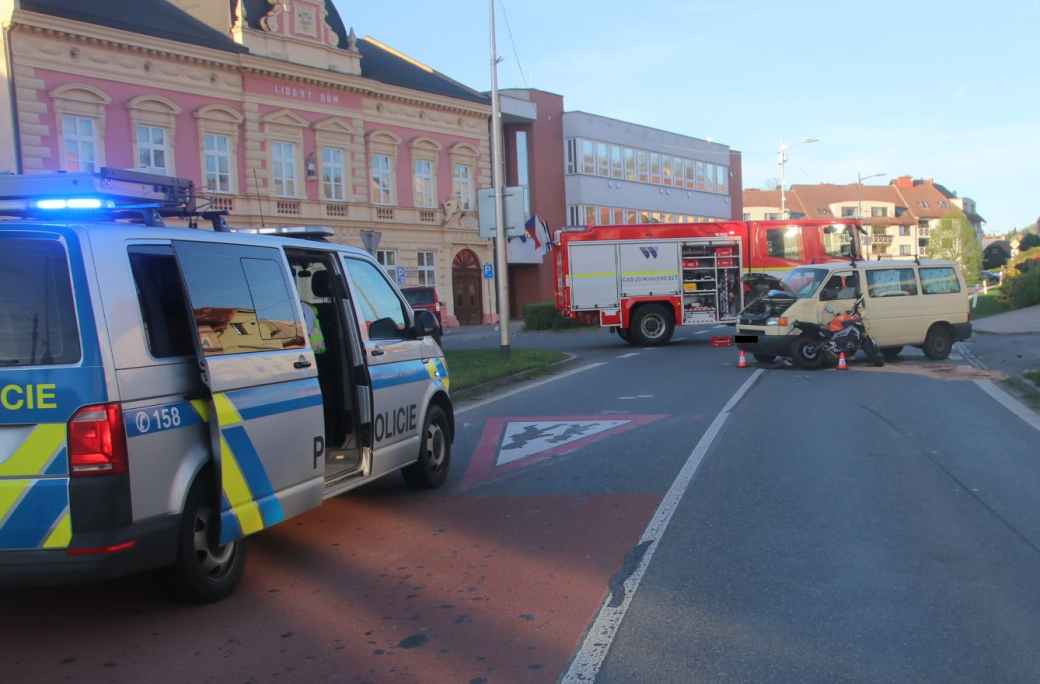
1028,241
955,239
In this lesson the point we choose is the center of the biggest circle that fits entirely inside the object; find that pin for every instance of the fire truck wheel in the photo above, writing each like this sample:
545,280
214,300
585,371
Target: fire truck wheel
625,334
652,325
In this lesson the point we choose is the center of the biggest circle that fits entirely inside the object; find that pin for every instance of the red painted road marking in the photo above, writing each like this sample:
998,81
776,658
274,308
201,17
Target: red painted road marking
508,444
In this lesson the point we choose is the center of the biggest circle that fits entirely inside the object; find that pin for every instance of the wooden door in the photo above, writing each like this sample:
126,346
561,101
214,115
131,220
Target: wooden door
466,277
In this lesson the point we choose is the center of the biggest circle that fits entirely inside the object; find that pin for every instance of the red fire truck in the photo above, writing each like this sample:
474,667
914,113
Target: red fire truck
640,281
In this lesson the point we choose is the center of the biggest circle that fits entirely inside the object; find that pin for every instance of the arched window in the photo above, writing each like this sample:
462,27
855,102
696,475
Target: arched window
79,115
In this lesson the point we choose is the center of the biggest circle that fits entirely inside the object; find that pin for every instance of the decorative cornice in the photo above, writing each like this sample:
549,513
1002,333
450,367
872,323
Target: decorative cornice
243,63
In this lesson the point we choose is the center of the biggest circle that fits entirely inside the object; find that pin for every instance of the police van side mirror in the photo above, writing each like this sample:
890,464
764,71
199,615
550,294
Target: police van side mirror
426,324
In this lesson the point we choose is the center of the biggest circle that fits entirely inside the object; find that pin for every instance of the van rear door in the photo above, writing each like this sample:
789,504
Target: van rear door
49,368
266,419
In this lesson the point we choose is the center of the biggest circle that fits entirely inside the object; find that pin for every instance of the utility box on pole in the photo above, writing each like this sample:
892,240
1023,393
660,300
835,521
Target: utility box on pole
513,203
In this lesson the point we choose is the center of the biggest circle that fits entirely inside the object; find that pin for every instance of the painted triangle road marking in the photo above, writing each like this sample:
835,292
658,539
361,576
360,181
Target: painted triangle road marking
511,443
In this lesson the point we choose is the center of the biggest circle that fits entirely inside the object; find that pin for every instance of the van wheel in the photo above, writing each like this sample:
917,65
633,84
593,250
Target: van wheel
204,571
890,353
431,470
652,325
938,343
806,354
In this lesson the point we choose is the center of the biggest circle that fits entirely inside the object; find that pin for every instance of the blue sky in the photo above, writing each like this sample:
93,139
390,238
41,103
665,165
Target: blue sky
943,90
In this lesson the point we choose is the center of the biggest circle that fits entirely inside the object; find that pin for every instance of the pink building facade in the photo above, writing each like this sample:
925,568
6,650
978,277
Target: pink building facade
277,116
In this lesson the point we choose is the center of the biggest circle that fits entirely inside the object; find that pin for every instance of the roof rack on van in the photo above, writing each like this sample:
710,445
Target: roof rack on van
320,233
109,194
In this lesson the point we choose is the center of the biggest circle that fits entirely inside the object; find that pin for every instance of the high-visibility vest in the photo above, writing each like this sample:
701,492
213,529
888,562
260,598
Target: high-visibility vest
317,339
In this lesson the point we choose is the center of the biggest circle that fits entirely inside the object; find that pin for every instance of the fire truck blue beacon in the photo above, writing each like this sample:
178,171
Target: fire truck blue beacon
157,382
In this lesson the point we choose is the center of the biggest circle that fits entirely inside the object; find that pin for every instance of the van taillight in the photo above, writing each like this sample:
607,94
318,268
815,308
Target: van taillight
97,441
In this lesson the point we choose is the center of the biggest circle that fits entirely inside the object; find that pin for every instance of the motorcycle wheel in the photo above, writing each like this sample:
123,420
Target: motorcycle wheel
873,352
806,354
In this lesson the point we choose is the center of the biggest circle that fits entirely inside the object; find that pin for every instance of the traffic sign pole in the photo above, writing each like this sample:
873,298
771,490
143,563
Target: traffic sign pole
496,166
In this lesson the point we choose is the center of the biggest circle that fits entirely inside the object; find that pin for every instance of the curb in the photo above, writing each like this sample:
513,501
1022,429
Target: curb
975,331
512,378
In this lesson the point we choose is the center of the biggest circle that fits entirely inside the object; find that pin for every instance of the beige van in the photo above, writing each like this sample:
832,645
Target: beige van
906,303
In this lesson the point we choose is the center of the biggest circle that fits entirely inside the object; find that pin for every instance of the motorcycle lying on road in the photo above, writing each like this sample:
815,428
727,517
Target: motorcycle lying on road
846,332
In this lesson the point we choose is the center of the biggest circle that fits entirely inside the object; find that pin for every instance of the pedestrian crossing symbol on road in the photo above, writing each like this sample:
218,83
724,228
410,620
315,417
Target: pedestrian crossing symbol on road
508,444
522,439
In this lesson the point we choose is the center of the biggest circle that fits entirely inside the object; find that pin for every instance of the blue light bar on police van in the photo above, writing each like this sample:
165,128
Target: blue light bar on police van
74,203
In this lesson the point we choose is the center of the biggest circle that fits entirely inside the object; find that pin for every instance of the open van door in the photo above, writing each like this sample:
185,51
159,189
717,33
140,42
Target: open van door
265,409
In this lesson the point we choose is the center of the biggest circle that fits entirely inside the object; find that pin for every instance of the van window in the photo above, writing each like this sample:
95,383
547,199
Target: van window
939,280
160,294
785,243
891,282
37,315
241,304
383,310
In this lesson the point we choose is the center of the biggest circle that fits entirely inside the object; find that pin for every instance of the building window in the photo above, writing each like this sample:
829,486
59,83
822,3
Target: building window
747,216
80,136
283,163
848,211
588,157
151,149
616,169
462,182
427,269
655,168
332,174
602,159
217,159
922,204
643,165
630,164
904,249
904,231
666,170
523,169
879,211
772,217
423,184
381,188
388,260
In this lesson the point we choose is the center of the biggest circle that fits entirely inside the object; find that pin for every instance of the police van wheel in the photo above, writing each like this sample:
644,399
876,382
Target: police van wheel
205,572
431,470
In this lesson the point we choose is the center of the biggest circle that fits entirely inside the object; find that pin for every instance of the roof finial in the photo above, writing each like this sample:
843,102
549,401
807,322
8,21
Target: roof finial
352,40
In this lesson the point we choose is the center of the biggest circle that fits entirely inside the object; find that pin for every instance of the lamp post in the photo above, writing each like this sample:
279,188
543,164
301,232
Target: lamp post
783,160
859,195
501,265
859,191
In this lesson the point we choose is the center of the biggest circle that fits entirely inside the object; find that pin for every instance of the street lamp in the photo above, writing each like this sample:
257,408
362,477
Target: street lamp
859,191
783,160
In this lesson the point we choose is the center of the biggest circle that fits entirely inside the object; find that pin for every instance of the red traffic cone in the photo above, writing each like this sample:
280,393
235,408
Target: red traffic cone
743,362
841,362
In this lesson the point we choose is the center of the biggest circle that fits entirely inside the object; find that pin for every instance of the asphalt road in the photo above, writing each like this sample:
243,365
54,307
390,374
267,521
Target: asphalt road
875,525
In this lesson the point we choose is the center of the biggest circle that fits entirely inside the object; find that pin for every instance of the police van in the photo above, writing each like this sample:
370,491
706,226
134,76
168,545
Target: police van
166,392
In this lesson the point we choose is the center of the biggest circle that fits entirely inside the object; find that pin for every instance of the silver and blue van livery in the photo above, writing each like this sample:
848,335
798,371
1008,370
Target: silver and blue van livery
160,395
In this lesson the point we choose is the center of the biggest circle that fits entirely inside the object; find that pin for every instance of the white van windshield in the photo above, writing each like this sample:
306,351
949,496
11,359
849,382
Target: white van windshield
804,281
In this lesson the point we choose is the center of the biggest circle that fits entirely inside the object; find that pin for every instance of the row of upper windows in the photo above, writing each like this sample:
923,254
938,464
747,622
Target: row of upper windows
595,158
588,215
82,151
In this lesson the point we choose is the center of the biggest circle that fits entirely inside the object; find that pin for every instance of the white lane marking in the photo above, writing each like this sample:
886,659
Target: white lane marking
625,356
639,396
538,383
589,658
1009,402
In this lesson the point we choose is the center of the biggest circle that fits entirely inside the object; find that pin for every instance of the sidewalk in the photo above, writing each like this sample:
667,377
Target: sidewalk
1018,322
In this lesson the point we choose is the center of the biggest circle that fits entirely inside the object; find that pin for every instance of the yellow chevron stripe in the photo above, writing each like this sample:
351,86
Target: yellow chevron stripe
10,492
202,407
36,451
227,414
237,491
60,537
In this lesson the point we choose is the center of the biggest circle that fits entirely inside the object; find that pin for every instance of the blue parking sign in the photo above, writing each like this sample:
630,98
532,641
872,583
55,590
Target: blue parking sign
489,271
400,275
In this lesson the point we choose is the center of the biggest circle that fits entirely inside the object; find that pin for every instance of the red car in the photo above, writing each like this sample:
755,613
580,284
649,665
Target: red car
423,298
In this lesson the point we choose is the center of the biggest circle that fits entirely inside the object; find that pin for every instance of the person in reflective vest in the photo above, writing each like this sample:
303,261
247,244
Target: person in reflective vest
310,317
